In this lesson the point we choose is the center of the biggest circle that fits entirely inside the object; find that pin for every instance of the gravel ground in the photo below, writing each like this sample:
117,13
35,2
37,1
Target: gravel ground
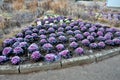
106,70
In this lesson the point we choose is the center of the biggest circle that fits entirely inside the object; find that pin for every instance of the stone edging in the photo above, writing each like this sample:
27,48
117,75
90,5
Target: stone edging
27,68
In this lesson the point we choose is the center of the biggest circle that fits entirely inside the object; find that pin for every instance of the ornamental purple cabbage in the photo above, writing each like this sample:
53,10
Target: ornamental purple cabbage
28,32
52,40
60,47
117,34
33,47
65,54
93,45
35,30
60,33
79,51
7,51
52,35
60,29
36,56
93,34
20,39
23,45
75,28
51,30
100,33
15,60
116,41
43,41
73,45
28,38
15,44
50,57
108,36
7,42
79,36
85,42
83,29
18,51
101,45
71,39
3,59
70,32
47,46
101,29
42,31
20,35
109,42
35,36
101,38
91,29
62,39
68,28
91,38
43,36
77,32
86,34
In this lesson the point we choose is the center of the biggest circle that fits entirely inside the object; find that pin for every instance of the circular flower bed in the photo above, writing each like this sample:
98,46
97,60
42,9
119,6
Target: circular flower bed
55,39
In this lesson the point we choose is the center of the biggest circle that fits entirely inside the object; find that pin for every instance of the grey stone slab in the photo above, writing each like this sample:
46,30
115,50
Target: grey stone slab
107,54
27,68
9,69
76,61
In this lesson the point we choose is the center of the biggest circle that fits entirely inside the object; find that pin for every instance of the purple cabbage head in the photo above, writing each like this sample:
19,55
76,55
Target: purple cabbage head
33,47
28,32
52,35
18,51
85,42
65,54
35,36
47,46
116,41
51,30
23,45
50,57
43,36
73,45
15,60
100,33
52,40
60,47
62,39
71,39
70,32
79,36
93,34
93,45
60,29
7,51
77,32
109,42
79,51
91,38
3,59
43,41
86,34
36,56
101,45
101,38
20,35
7,42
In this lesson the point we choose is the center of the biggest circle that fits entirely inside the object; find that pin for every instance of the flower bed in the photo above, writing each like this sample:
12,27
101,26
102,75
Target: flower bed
58,37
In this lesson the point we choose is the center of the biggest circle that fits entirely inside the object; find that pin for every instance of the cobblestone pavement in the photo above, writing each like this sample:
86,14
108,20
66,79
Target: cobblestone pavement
105,70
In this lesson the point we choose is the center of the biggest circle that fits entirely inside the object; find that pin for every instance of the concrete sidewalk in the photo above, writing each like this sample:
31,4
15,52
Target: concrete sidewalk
106,70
